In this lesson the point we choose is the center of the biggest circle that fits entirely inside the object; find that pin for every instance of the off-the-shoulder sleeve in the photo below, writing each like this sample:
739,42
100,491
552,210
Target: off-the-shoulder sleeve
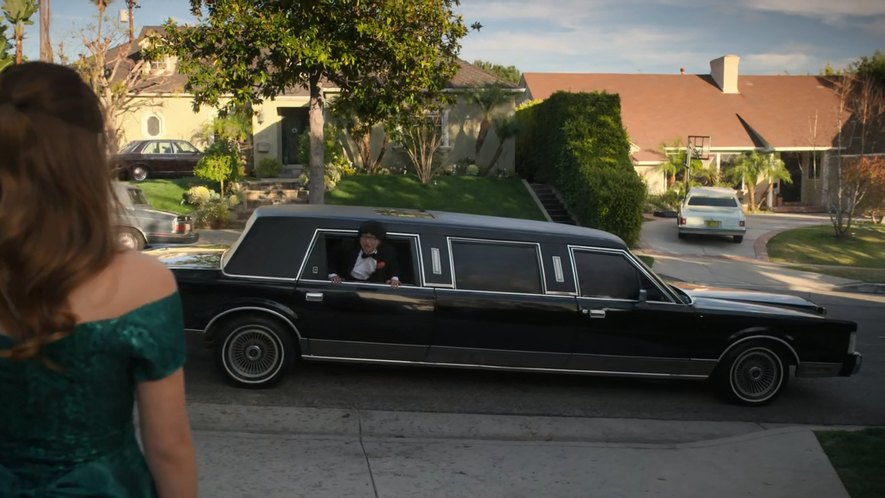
155,333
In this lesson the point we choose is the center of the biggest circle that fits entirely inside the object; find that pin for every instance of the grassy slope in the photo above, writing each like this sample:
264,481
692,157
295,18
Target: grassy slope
465,194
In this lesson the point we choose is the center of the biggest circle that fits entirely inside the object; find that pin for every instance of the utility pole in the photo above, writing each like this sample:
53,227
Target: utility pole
45,22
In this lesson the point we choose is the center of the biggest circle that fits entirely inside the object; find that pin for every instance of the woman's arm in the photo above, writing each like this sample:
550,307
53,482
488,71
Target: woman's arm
166,436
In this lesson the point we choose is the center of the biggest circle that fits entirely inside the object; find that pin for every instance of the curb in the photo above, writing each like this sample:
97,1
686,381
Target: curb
402,425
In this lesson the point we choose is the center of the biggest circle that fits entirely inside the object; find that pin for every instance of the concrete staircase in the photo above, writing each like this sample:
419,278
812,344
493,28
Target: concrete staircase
552,203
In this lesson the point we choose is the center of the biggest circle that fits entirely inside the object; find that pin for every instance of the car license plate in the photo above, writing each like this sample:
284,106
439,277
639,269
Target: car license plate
712,223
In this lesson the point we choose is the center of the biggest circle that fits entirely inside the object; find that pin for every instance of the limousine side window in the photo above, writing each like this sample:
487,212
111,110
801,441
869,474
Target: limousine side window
612,276
496,266
328,246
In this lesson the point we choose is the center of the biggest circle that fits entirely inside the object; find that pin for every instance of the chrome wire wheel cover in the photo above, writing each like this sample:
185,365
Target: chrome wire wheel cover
253,353
757,374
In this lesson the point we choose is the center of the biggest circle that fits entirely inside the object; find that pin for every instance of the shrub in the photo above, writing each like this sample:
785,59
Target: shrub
216,167
197,196
608,199
214,214
472,170
577,143
268,168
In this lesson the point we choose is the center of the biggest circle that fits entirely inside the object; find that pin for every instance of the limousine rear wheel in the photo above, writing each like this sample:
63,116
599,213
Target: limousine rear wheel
138,173
254,350
754,373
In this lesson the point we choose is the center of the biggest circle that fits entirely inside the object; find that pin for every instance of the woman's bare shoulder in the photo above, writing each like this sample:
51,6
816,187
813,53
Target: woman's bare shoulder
131,280
144,272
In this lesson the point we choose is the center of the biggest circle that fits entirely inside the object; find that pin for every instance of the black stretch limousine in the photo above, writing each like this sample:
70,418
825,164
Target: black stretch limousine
490,292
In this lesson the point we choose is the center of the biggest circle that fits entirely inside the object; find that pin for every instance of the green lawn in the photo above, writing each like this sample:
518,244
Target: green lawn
859,459
818,245
464,194
165,195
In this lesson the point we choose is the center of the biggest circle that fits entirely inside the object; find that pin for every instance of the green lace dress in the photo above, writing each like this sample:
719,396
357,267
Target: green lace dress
69,432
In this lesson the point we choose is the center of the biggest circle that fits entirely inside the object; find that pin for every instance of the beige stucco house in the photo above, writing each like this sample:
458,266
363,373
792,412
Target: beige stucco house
796,116
164,110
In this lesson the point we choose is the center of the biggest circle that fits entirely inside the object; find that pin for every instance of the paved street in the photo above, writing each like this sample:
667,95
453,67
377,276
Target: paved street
659,235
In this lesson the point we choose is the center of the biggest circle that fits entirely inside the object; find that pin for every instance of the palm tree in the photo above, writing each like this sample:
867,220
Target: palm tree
131,5
505,128
19,13
747,169
488,98
45,23
102,5
774,168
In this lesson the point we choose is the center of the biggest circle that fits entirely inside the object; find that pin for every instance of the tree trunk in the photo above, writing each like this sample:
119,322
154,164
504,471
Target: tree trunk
19,36
385,142
317,168
365,151
481,137
45,22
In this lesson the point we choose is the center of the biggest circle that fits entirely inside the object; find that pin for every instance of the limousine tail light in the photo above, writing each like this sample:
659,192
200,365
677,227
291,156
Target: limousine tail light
681,220
742,223
182,224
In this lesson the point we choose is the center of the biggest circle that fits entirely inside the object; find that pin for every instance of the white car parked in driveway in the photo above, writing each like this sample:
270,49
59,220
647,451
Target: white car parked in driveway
712,211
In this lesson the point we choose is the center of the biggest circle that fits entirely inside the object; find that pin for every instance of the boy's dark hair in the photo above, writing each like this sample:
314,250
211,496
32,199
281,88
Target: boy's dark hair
373,227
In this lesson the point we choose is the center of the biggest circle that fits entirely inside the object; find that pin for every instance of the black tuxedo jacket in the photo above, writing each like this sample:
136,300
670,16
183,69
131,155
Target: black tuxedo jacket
386,263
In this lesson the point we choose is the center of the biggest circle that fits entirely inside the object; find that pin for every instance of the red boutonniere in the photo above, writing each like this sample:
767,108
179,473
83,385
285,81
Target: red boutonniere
380,265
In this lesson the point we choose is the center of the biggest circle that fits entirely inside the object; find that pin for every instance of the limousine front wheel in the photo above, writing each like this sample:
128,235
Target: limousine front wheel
754,373
254,350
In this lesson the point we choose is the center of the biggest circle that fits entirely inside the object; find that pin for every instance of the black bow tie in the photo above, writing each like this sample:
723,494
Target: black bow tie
364,255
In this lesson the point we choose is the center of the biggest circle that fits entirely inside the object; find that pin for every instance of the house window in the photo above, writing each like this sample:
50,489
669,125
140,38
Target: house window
153,126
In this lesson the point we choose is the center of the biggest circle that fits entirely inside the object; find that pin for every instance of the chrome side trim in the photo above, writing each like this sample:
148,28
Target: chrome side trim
521,294
255,308
818,369
510,369
437,264
557,269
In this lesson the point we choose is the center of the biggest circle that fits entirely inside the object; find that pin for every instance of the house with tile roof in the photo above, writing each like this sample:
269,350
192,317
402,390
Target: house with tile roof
165,110
796,116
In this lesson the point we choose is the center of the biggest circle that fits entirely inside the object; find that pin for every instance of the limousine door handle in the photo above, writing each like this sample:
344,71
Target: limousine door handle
314,297
594,313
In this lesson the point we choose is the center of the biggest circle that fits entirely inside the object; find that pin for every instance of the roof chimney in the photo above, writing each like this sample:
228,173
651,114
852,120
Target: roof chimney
724,71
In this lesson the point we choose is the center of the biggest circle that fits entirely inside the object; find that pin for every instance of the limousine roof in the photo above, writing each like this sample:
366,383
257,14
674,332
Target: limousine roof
442,219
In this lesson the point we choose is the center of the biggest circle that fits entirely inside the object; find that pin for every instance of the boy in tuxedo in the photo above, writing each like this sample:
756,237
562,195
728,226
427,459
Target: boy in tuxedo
370,261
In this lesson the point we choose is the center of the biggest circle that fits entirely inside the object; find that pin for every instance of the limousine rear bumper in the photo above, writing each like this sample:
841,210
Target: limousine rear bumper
848,367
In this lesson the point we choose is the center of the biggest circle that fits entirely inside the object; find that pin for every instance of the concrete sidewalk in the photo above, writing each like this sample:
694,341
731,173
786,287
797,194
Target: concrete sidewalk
287,452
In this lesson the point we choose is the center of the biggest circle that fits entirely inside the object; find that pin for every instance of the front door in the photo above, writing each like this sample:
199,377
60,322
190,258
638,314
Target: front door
293,125
620,333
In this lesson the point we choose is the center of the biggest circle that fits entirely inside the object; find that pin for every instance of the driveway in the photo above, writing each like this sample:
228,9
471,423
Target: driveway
659,235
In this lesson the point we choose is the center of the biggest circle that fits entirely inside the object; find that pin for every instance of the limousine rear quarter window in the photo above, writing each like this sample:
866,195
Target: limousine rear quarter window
502,267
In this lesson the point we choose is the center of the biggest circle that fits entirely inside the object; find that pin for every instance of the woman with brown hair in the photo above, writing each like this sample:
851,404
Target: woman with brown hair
86,327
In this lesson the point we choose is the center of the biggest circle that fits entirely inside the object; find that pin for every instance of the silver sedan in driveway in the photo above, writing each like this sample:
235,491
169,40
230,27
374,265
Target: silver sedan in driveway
712,211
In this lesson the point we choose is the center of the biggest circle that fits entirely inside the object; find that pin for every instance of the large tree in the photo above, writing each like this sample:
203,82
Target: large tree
117,79
383,56
19,13
861,137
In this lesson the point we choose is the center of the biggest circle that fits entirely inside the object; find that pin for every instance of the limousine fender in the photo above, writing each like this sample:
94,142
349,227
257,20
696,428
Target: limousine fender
255,342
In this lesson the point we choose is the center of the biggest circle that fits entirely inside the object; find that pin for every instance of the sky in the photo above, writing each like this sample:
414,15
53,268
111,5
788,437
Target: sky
608,36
